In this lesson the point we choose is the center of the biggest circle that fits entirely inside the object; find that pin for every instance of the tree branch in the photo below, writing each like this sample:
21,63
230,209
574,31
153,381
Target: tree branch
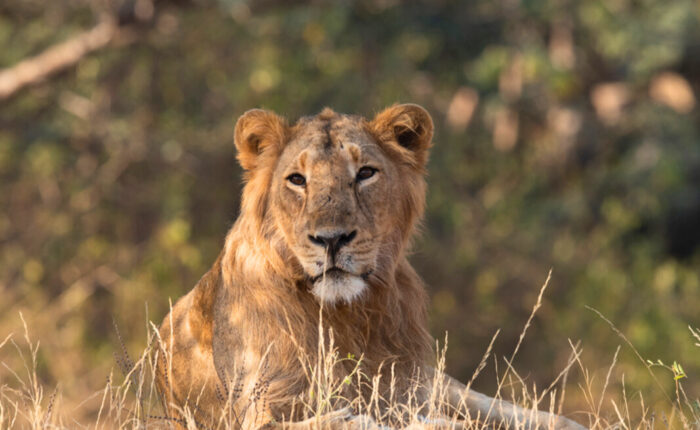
67,54
55,58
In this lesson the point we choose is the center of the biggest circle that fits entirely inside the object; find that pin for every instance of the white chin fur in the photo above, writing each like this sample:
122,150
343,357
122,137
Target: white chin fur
336,289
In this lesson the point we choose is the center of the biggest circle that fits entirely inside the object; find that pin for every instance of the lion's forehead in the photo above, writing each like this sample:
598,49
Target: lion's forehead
329,131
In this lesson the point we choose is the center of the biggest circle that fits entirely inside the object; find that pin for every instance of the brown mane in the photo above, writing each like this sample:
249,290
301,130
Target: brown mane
248,344
255,270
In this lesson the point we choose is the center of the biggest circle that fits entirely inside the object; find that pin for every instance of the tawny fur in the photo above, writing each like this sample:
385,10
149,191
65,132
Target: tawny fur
254,303
244,336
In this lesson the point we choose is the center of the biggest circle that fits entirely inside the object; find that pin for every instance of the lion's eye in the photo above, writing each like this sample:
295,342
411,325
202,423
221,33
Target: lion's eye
366,172
297,179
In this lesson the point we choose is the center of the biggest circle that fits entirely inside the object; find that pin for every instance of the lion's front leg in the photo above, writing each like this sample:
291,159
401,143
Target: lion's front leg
490,410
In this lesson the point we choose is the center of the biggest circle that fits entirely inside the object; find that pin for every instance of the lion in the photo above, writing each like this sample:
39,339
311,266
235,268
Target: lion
316,259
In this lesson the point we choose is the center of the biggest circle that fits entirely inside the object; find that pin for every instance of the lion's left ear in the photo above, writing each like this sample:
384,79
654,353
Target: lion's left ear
258,132
408,125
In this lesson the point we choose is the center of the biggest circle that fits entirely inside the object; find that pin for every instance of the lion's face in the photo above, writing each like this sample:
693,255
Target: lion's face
337,193
329,197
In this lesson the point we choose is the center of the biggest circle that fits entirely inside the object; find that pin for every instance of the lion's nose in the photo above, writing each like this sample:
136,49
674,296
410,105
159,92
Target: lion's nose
333,242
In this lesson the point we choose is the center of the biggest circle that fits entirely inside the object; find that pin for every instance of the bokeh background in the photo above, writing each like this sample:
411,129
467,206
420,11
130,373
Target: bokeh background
567,137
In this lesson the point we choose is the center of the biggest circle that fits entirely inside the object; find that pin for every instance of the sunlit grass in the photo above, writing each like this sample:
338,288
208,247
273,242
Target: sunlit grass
131,401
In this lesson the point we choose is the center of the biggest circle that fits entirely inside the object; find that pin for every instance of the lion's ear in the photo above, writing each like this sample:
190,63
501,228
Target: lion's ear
258,132
408,125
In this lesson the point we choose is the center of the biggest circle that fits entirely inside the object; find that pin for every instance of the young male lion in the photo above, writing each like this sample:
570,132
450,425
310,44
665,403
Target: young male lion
328,209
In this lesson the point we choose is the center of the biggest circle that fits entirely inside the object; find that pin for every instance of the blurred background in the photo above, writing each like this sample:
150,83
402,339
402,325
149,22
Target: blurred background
567,137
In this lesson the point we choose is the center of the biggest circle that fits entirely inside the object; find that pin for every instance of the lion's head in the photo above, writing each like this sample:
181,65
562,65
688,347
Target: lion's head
336,195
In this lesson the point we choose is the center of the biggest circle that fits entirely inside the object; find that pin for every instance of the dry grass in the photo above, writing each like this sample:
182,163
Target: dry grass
131,400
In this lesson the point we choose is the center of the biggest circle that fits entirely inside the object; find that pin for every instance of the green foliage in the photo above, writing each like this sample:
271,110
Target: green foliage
676,369
118,179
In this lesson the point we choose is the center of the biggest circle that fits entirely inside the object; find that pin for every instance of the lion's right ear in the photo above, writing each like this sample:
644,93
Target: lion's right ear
257,133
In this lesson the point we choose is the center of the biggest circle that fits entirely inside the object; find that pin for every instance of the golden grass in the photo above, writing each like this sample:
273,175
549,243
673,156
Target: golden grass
131,401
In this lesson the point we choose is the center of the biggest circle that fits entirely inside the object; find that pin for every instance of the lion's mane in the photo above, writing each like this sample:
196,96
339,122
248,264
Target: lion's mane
250,283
